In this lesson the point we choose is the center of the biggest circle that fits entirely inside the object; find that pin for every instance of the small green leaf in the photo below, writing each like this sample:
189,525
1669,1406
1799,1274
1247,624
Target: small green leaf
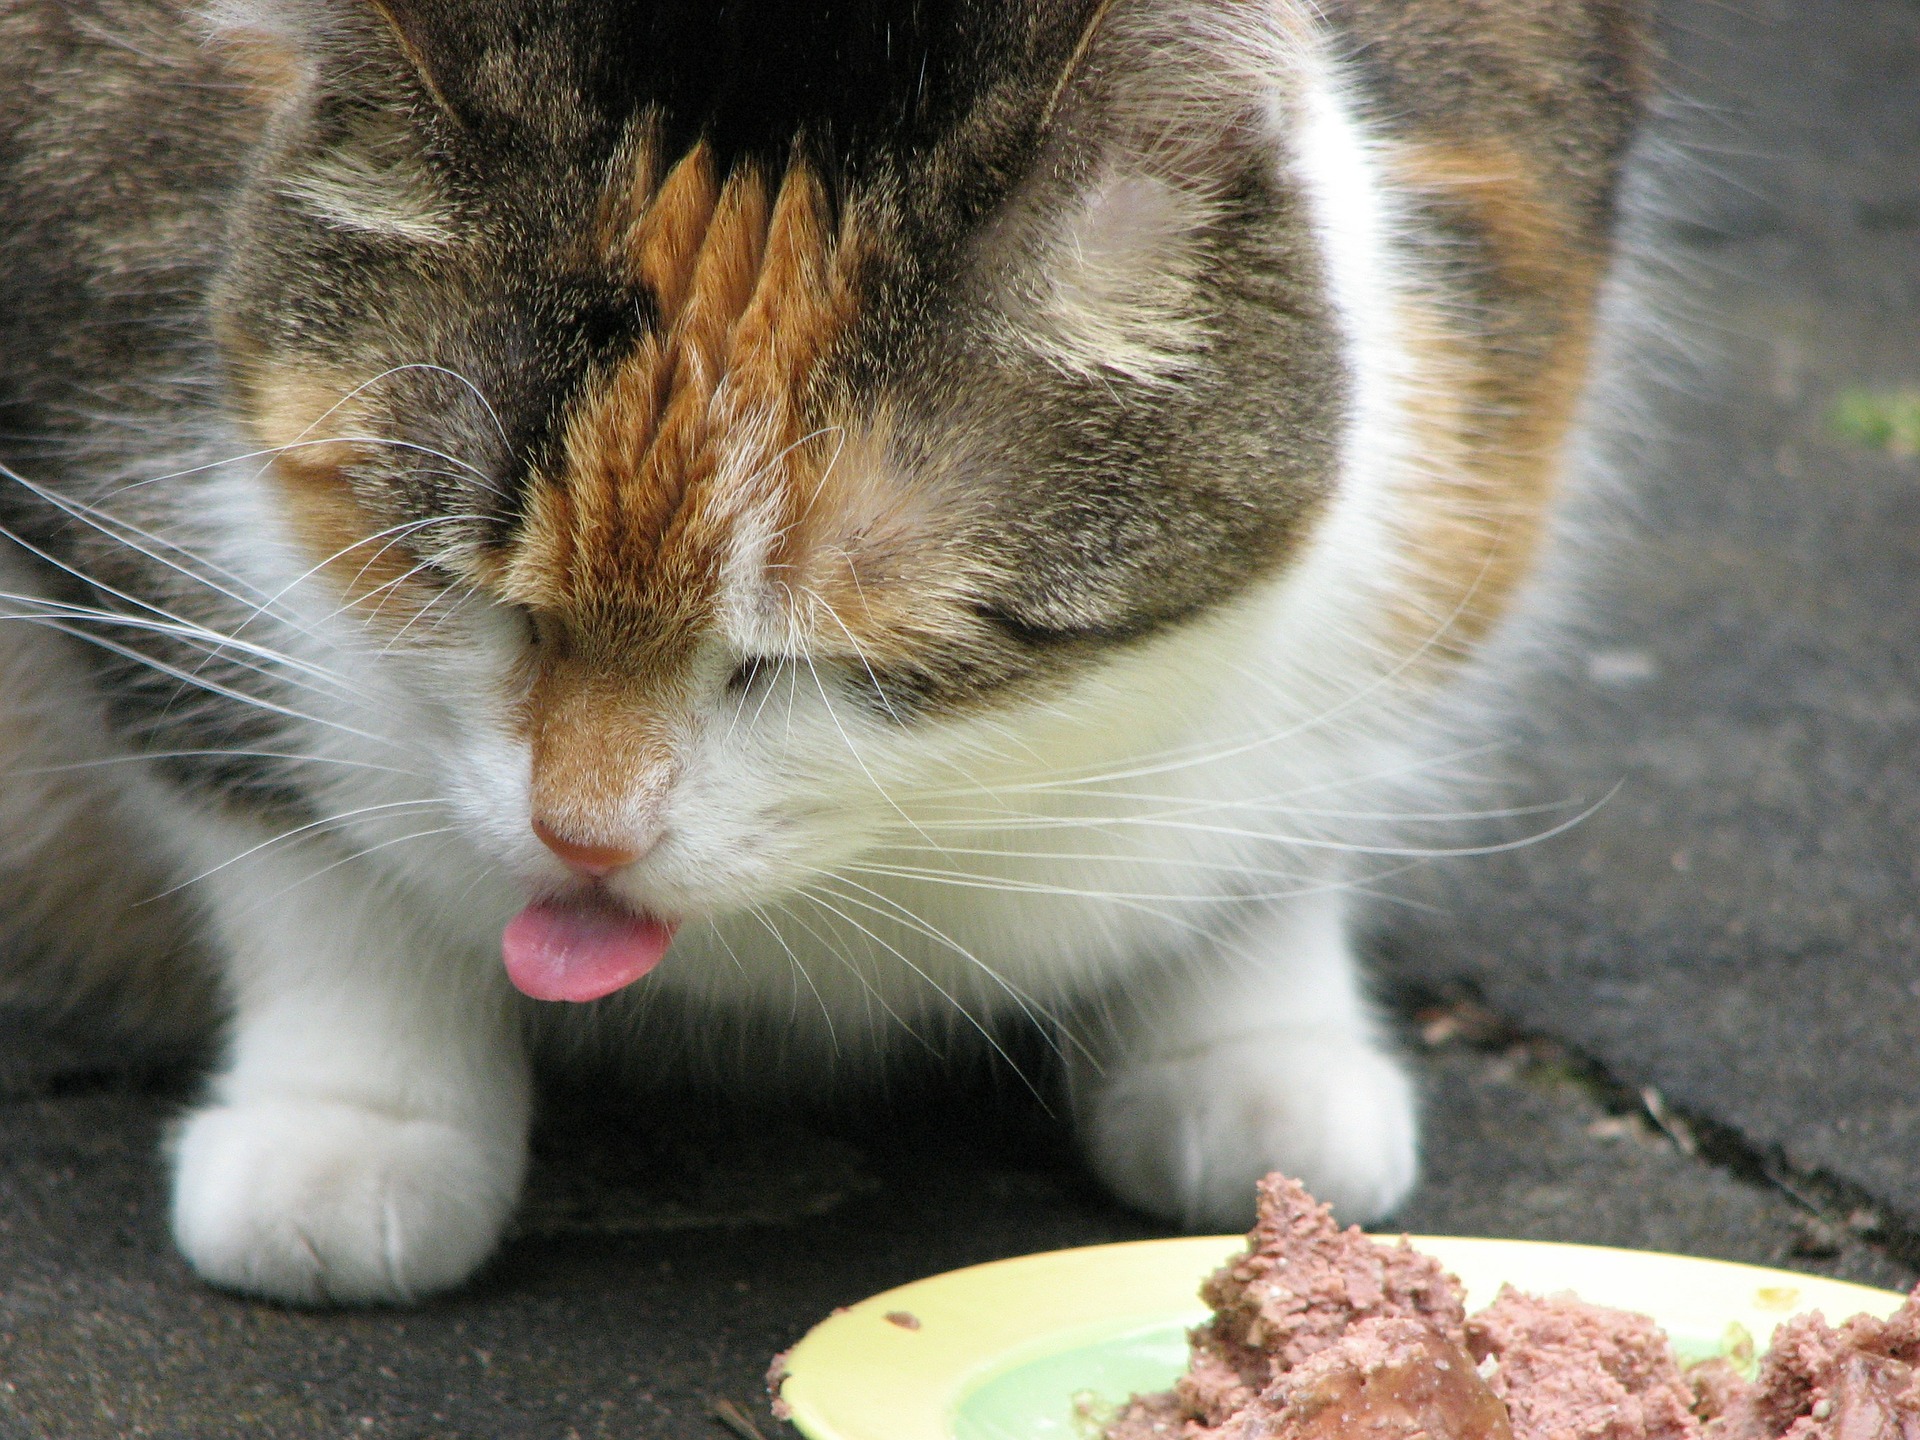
1879,419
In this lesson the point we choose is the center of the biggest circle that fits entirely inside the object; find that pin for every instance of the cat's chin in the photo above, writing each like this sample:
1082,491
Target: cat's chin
581,948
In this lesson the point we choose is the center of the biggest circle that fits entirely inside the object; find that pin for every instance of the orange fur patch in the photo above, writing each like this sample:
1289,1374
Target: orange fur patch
719,427
1500,402
598,747
710,418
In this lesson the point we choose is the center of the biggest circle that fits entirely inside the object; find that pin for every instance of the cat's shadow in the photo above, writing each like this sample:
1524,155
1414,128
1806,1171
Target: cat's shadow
610,1160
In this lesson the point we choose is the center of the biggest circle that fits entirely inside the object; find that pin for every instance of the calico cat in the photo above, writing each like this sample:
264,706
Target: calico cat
744,536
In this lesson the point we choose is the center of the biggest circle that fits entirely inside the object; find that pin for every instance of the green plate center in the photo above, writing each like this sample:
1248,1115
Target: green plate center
1070,1394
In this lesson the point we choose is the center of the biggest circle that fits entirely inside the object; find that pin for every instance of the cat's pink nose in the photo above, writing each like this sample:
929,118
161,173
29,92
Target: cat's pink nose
593,861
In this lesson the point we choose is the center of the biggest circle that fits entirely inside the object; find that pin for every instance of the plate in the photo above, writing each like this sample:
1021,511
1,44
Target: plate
1017,1349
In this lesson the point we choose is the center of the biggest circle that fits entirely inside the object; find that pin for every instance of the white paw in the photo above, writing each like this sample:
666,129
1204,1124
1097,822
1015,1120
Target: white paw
311,1201
1186,1138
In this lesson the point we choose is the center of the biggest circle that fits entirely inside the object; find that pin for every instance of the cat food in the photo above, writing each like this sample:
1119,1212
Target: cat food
1858,1382
1300,1288
1566,1370
1385,1379
1324,1334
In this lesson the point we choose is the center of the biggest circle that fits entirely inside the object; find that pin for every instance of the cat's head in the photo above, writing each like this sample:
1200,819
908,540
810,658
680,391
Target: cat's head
740,414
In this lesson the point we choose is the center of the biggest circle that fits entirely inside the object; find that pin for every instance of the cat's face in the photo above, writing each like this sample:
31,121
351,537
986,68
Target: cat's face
737,419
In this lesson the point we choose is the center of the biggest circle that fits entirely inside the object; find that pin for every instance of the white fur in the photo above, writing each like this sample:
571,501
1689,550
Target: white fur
1257,1056
367,1139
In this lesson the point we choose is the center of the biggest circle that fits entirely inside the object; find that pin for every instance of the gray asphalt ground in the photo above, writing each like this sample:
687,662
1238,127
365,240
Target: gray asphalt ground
1692,1022
1738,926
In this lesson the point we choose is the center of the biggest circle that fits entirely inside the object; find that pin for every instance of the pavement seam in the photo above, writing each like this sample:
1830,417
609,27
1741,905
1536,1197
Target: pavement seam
1835,1207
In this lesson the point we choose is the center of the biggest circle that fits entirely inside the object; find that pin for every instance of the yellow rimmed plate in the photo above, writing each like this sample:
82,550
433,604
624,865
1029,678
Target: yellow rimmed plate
1026,1349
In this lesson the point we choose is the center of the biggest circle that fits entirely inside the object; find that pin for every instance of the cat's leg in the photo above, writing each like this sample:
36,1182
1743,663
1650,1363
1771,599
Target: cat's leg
367,1139
1260,1056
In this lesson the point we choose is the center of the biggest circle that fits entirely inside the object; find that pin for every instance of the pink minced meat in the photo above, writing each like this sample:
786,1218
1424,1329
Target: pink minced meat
1301,1285
1386,1379
1859,1382
1568,1370
776,1378
1323,1334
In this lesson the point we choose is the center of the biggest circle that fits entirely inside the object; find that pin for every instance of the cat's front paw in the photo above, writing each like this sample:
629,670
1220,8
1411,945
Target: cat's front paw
318,1201
1187,1137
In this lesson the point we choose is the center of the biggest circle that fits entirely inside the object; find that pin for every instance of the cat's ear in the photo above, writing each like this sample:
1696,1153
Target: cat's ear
361,67
279,48
1184,89
1155,118
257,47
407,23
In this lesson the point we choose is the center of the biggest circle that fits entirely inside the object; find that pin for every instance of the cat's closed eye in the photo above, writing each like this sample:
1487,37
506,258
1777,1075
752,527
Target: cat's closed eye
542,632
742,678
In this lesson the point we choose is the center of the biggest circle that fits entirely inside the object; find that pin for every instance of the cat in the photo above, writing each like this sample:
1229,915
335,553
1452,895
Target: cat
747,537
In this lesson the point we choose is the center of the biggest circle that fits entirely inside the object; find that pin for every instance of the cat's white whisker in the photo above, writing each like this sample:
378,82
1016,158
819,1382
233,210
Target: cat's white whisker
853,749
311,827
493,415
461,600
1177,806
117,530
110,527
1293,841
819,894
145,757
365,385
197,682
364,852
1207,865
474,472
209,642
872,678
390,537
886,907
799,967
1142,900
1203,753
834,947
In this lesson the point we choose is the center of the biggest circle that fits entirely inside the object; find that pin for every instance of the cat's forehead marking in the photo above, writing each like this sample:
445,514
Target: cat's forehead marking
712,429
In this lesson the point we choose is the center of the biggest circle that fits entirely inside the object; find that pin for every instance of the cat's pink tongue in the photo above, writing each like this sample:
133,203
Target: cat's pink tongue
580,951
